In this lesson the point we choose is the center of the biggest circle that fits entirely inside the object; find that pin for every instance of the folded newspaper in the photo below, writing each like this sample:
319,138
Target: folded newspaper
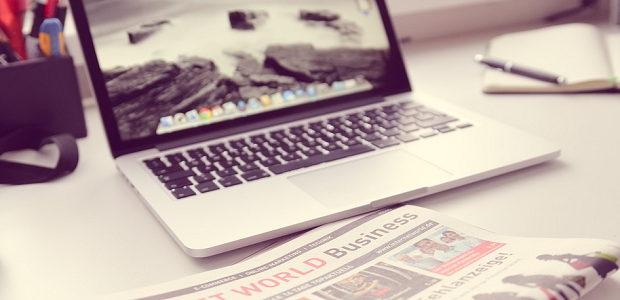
403,253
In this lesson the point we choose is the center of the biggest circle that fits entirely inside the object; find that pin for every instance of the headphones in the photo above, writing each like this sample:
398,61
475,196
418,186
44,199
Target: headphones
35,138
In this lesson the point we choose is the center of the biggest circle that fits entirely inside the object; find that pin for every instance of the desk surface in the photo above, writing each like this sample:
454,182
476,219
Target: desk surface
89,234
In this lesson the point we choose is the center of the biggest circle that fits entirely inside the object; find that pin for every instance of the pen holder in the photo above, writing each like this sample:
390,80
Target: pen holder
41,92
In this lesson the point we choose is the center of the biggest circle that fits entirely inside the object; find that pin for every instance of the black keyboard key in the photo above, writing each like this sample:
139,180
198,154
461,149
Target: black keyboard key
208,186
258,139
228,164
216,157
422,116
408,105
294,138
269,161
428,134
194,163
366,128
311,152
391,132
238,144
183,192
154,163
269,153
390,109
392,117
206,168
274,143
408,137
386,143
248,167
309,144
179,183
218,148
409,127
331,147
289,148
204,178
176,175
348,134
436,121
226,172
248,158
317,159
409,112
254,175
372,137
351,142
196,153
176,158
233,153
229,181
406,120
278,135
290,156
430,110
167,170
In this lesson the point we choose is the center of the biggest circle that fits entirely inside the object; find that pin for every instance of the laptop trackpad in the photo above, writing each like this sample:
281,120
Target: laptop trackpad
370,179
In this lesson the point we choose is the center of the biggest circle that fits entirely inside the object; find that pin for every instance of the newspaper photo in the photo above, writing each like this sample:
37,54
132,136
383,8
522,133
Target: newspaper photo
406,252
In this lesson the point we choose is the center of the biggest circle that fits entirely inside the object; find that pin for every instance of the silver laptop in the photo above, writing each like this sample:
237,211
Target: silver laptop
241,121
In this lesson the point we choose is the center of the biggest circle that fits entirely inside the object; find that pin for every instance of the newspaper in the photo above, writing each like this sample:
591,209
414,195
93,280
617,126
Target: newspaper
403,253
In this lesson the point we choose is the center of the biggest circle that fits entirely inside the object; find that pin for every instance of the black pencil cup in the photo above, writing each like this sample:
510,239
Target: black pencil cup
41,92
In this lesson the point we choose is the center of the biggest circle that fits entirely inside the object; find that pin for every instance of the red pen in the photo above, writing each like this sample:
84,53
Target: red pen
50,8
12,22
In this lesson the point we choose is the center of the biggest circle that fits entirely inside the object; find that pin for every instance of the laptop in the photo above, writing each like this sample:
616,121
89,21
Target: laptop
239,121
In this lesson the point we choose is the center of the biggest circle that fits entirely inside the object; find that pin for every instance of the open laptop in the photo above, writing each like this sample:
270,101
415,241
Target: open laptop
240,121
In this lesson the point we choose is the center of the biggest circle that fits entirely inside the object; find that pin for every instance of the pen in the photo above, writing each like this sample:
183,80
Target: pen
51,40
6,51
510,67
12,22
50,8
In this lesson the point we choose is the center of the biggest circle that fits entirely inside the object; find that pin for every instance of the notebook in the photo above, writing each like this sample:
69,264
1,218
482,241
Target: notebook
588,59
240,121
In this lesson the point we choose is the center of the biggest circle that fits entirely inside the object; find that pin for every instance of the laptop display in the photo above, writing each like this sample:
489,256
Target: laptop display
175,65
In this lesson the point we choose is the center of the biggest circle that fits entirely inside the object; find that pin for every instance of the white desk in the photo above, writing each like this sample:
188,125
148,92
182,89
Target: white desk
89,234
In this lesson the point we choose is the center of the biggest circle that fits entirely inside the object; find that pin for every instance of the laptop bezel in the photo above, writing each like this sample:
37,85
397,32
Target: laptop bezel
396,82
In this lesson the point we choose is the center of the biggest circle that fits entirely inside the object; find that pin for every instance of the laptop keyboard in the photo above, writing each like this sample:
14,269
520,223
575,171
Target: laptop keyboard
237,161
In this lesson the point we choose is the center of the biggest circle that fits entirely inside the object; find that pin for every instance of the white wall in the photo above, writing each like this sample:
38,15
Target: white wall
420,19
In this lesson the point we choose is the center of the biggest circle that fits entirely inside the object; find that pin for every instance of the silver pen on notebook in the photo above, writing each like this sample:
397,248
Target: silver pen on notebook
510,67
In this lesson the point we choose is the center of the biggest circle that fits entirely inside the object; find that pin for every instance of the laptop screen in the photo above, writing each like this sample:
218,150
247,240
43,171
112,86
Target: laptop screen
171,66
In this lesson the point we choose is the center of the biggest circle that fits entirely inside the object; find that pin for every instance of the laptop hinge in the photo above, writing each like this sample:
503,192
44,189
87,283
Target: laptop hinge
285,118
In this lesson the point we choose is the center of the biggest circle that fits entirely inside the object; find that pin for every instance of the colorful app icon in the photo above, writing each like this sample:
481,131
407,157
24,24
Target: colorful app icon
289,96
360,79
229,108
350,83
192,115
299,93
338,86
265,100
276,99
217,111
166,121
253,104
322,88
205,113
180,118
311,90
241,105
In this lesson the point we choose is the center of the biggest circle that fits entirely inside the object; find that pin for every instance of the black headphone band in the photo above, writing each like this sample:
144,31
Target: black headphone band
35,138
